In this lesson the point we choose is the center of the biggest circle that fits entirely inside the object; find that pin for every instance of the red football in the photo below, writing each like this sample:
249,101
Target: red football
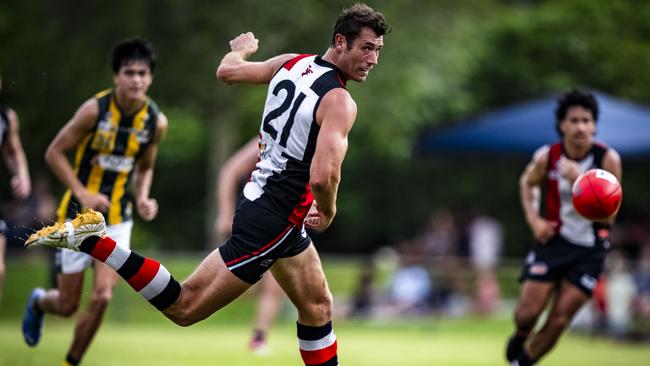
597,194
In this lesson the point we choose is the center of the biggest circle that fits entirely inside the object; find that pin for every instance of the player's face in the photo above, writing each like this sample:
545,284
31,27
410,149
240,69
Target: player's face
133,80
359,58
578,126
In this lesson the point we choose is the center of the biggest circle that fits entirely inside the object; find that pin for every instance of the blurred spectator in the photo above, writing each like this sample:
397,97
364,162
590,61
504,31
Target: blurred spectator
440,237
485,242
633,240
364,296
642,280
620,292
410,285
440,242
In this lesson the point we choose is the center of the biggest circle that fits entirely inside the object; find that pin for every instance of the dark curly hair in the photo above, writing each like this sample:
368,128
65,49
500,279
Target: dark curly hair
577,97
353,19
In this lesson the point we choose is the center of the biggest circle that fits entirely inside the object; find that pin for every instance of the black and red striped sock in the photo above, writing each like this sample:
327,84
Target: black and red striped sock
146,276
318,345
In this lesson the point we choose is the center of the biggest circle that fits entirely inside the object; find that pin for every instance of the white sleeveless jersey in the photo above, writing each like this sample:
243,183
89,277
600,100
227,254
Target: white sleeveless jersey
559,197
288,136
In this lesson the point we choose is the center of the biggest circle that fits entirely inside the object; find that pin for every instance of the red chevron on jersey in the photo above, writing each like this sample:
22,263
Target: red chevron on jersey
291,63
553,193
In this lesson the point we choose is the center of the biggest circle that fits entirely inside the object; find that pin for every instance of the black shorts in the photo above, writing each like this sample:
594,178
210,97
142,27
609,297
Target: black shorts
258,239
561,260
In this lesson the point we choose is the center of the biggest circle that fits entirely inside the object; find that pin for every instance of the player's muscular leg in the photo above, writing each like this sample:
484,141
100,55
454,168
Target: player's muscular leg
105,281
90,320
211,287
569,300
303,280
532,301
64,300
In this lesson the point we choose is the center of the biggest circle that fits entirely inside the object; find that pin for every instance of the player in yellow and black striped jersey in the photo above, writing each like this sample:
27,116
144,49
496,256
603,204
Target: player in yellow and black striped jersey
105,158
115,135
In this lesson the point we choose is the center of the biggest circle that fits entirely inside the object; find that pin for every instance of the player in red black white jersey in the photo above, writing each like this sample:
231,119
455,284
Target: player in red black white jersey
568,257
303,141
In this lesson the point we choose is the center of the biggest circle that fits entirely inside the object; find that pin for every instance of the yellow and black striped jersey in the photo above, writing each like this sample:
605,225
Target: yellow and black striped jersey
106,155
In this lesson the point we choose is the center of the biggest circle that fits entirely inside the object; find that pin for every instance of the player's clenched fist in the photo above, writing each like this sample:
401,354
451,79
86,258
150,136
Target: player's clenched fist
245,43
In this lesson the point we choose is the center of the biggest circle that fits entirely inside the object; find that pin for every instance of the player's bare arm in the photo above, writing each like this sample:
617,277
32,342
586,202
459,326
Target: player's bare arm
67,140
235,67
336,114
15,159
529,190
146,206
612,163
233,171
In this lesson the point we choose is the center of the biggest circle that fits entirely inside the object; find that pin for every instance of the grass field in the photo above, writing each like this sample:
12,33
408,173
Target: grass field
135,334
449,342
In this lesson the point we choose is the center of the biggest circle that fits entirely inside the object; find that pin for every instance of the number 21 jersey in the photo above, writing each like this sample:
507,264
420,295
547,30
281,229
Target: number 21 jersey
288,134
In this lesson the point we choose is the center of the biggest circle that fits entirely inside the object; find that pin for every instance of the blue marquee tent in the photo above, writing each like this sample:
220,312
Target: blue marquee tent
522,128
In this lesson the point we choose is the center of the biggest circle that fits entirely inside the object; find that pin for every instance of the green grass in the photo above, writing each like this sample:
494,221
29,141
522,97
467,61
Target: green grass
448,342
136,334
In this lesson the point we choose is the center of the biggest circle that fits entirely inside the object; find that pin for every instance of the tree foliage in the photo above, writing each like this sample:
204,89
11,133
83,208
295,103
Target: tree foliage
442,61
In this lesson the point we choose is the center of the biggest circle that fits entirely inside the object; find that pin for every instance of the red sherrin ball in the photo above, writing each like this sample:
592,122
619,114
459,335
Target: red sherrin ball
597,194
